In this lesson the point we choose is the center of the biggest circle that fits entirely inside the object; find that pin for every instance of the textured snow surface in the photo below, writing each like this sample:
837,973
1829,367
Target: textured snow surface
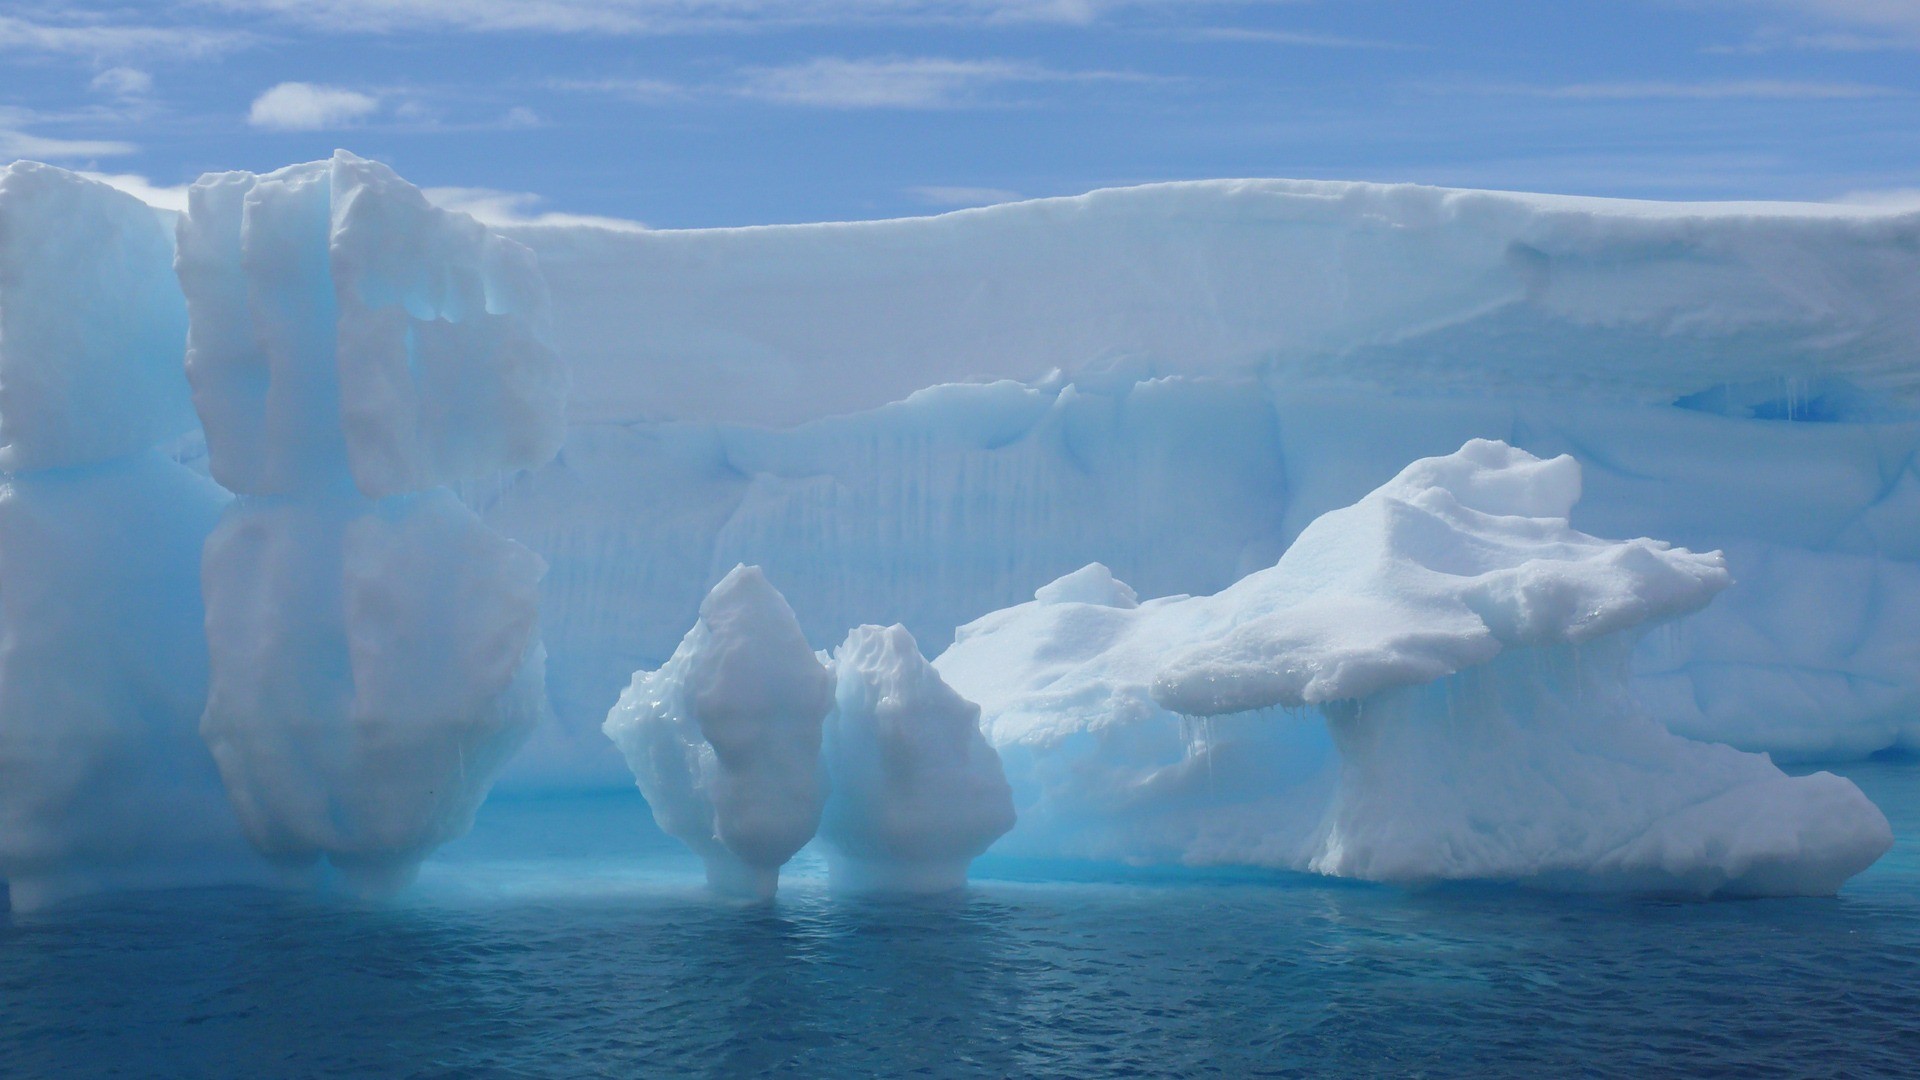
1393,285
724,739
338,318
917,792
1467,652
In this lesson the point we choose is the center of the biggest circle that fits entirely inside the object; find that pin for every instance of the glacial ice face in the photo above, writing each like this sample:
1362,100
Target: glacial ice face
375,651
343,324
91,323
917,792
724,739
104,782
1468,652
374,665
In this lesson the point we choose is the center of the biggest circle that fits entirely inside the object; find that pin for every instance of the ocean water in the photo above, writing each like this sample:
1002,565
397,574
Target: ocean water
569,938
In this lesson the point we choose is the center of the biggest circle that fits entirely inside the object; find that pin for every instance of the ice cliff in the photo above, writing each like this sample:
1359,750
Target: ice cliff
304,524
1465,649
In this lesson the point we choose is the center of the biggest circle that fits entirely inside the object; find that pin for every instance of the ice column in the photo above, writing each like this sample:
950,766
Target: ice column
917,792
724,739
375,648
104,782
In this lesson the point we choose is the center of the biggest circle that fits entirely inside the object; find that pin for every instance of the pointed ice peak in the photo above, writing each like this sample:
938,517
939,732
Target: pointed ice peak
1091,584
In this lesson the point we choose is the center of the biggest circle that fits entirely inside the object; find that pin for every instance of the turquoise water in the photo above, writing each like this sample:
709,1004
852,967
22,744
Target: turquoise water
568,938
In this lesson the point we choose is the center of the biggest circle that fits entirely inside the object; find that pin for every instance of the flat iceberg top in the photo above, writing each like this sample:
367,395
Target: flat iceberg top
1440,569
1304,282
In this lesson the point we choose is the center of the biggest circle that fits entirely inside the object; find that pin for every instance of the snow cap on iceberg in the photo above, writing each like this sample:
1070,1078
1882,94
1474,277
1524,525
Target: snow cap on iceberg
1466,654
724,739
92,324
917,792
341,323
1440,569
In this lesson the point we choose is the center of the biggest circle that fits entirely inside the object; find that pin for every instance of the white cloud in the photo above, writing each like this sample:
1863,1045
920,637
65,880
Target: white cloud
493,207
663,16
1756,89
520,117
163,197
1257,36
963,196
19,144
898,83
1831,26
98,39
123,82
297,106
1888,198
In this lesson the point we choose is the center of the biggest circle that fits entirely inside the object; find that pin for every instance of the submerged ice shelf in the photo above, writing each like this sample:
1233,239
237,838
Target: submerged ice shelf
331,610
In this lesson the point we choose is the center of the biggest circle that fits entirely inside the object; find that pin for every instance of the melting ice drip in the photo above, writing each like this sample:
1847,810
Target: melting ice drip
1468,650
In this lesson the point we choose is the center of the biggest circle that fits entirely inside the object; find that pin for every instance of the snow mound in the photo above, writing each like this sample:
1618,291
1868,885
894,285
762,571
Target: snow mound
373,667
917,792
92,324
1449,563
724,739
340,319
1467,653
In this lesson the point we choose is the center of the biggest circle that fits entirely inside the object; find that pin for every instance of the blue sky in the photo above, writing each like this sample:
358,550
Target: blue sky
723,112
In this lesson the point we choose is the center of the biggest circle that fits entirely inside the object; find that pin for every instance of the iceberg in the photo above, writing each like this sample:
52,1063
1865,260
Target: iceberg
917,792
344,326
920,420
1464,653
104,782
724,738
374,647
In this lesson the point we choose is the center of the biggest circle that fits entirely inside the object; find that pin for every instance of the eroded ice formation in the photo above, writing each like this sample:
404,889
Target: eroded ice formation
917,792
104,782
342,326
1467,650
724,738
374,646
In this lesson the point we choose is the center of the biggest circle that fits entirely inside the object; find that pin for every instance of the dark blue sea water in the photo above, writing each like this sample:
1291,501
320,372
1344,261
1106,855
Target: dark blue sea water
568,938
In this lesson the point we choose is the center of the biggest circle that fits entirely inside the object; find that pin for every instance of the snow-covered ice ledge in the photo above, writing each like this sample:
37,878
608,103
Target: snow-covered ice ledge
1467,651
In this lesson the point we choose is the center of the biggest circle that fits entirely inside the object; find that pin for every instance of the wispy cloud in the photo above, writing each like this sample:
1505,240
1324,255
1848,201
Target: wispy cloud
157,195
20,144
1830,26
1721,90
493,207
903,82
642,90
297,106
661,16
123,82
1258,36
99,38
957,197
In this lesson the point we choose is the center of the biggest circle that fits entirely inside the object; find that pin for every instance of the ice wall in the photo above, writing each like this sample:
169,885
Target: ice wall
375,650
104,781
1192,372
1466,650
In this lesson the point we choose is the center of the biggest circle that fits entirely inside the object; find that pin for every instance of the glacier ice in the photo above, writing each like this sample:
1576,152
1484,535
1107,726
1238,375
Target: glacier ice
917,793
374,647
91,323
1467,651
724,738
917,422
373,667
343,324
